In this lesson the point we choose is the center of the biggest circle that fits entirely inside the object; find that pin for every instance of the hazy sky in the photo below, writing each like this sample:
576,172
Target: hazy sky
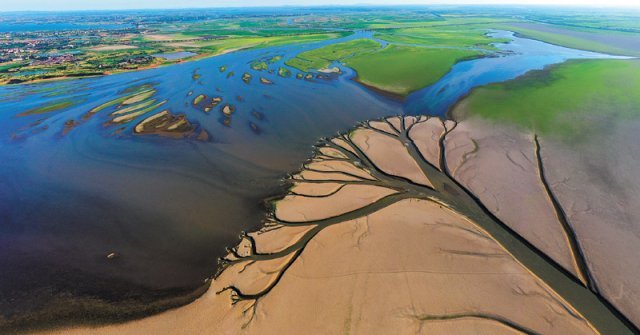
12,5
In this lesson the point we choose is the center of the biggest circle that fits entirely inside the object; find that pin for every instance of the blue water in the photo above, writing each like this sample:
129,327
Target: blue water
518,57
169,207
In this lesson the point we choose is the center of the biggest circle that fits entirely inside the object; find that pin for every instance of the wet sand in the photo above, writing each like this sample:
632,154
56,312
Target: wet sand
370,245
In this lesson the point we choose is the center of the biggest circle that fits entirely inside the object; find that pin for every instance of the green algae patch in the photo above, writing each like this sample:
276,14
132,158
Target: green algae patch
275,59
284,72
259,65
49,108
567,99
138,97
133,108
128,117
199,99
134,94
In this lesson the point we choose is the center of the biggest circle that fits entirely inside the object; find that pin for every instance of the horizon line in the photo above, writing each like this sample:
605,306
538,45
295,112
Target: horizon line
471,4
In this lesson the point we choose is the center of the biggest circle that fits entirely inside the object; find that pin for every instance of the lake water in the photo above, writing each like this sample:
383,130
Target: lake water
522,55
167,207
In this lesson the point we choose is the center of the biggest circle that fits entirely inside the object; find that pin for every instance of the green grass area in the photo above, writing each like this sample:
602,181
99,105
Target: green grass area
568,99
379,20
322,57
462,37
404,69
225,45
56,106
415,57
8,66
259,65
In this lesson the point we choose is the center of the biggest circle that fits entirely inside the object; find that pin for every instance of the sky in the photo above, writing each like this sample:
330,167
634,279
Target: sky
56,5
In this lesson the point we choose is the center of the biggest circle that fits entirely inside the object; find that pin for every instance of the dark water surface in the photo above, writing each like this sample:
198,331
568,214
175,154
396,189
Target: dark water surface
169,207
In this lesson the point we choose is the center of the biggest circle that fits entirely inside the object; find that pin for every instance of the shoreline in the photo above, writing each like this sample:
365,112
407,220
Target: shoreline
151,67
338,207
403,97
390,95
114,315
155,66
544,71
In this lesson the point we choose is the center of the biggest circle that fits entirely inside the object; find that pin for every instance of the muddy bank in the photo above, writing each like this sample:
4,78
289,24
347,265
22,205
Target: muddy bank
387,208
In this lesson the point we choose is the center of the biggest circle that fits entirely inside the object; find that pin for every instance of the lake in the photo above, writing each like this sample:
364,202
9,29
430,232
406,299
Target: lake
166,207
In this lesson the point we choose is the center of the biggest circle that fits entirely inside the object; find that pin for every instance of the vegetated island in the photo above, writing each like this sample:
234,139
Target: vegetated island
398,68
404,211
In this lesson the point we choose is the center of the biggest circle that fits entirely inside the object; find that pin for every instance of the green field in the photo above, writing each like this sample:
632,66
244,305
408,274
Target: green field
462,37
408,30
570,99
415,57
404,69
48,108
245,42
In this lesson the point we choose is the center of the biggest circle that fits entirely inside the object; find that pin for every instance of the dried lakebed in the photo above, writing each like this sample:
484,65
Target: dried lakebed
386,212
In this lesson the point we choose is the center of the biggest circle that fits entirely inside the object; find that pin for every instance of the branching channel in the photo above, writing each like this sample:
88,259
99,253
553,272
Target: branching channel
339,163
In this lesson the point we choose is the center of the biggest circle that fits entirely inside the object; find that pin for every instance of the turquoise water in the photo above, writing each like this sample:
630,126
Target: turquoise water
169,207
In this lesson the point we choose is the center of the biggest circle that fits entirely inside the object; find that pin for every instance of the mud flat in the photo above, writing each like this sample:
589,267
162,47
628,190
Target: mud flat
165,124
330,70
227,110
246,77
382,214
284,72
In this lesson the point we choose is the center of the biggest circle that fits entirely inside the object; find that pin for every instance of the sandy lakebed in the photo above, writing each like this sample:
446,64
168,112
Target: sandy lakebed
425,215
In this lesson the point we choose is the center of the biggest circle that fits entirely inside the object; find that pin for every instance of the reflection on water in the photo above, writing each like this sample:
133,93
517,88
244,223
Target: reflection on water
129,189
